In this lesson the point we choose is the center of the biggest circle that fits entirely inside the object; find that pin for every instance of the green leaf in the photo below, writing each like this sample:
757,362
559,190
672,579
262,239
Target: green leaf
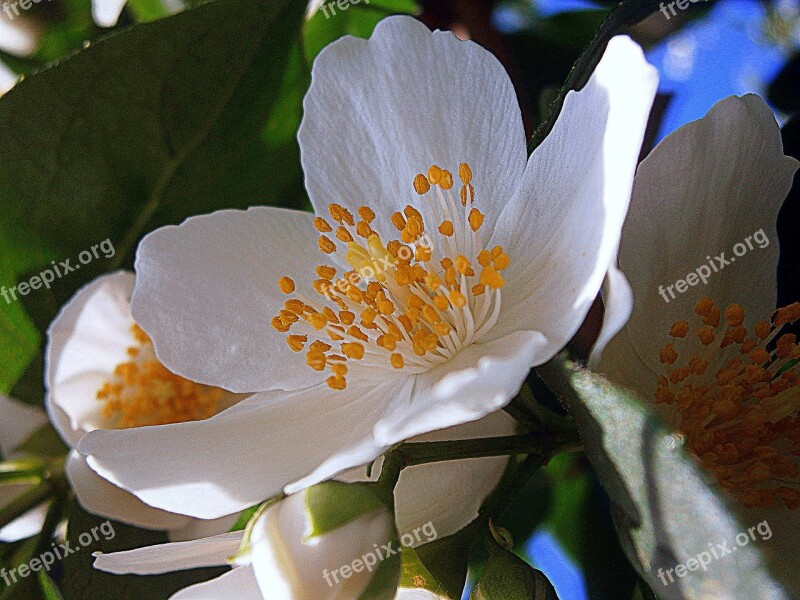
666,511
383,585
147,10
508,577
49,588
331,504
326,26
440,566
143,128
83,582
44,442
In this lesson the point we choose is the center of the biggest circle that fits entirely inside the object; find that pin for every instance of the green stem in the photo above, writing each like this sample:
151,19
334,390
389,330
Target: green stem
53,483
25,502
418,453
628,12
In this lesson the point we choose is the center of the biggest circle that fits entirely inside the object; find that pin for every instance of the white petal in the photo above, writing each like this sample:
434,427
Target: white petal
447,495
21,40
201,528
481,379
106,12
8,78
240,583
17,422
207,290
247,453
176,556
705,188
27,525
379,112
102,498
562,228
617,307
288,567
416,594
85,342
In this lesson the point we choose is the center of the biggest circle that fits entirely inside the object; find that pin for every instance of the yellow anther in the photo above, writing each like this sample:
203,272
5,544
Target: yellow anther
347,317
336,383
326,245
366,213
397,361
423,254
430,314
706,335
354,331
492,278
339,369
278,325
316,360
496,252
734,315
322,225
319,346
457,299
294,305
297,342
484,258
317,320
363,229
478,289
435,175
433,281
679,329
386,307
387,341
763,329
447,180
326,272
286,284
421,184
441,302
343,235
463,266
446,228
668,355
353,350
399,221
465,173
502,262
475,219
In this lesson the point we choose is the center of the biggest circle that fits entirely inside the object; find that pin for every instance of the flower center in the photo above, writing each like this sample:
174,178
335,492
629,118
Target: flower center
412,303
743,422
143,392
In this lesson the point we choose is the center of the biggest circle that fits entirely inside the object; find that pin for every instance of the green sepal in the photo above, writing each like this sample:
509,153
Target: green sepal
331,504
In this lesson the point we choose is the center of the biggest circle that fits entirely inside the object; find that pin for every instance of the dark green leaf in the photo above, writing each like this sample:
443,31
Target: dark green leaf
83,582
44,442
359,20
666,510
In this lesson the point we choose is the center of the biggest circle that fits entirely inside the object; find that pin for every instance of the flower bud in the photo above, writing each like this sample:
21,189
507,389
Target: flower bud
334,541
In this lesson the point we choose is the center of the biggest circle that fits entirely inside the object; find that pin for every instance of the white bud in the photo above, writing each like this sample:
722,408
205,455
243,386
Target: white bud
339,564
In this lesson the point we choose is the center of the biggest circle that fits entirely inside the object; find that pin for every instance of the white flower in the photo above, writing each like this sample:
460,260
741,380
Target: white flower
697,351
426,345
17,422
101,373
286,557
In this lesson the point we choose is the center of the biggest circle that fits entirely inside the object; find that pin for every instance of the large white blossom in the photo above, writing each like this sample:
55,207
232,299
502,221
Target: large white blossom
704,212
418,136
101,373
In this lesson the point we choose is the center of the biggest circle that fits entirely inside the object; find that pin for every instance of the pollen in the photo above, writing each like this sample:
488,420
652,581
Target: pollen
742,417
410,303
142,392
